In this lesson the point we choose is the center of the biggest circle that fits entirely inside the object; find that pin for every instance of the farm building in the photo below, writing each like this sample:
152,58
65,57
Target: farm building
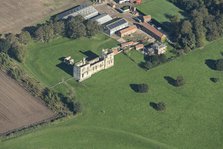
115,26
149,51
127,31
125,9
99,1
160,48
84,10
123,1
146,18
116,50
152,31
156,48
138,1
139,47
128,44
85,69
102,18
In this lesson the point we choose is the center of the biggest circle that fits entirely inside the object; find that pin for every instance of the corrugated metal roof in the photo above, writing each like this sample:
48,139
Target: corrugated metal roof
116,23
89,9
152,29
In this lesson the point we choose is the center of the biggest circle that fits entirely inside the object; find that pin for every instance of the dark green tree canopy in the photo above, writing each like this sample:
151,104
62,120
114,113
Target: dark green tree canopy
204,21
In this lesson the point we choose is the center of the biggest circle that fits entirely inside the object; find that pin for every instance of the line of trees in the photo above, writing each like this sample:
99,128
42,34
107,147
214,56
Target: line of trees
73,27
153,60
55,101
15,46
204,21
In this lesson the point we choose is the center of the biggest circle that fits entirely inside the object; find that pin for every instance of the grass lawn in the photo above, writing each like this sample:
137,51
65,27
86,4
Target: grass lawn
158,9
51,55
114,116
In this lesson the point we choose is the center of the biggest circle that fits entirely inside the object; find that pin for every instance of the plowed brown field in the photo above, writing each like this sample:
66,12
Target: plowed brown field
16,14
17,107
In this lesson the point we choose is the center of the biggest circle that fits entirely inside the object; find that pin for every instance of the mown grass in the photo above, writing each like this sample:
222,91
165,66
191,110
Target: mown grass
159,9
51,55
114,116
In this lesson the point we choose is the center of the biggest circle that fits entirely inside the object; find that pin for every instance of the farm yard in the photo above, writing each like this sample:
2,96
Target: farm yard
14,14
114,115
17,107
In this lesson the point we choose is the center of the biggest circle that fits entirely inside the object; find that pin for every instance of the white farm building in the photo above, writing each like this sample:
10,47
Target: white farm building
123,1
102,18
85,11
115,26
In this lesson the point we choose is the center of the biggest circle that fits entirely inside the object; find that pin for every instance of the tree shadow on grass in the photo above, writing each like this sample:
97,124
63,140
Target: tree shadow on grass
134,87
211,63
170,80
214,80
153,105
142,65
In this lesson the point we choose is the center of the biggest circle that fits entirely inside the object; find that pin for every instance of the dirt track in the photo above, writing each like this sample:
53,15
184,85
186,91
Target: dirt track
17,107
16,14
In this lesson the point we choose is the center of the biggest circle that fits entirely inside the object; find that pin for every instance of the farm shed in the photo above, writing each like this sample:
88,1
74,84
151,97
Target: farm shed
127,31
84,10
115,26
102,18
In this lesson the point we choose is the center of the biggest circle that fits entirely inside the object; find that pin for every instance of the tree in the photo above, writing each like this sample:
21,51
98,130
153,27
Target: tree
154,59
160,106
219,65
45,32
11,38
204,22
162,58
198,17
17,51
92,28
75,27
148,65
179,81
212,28
24,37
4,45
187,37
219,21
59,27
39,34
76,30
142,88
15,73
215,80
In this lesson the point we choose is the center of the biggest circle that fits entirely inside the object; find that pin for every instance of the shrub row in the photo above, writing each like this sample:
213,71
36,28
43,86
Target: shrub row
55,101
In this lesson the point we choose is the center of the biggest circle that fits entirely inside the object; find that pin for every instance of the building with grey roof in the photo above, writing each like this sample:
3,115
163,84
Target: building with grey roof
102,18
115,26
85,11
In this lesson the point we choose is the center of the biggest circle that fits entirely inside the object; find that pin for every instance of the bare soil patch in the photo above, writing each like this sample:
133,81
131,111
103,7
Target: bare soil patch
16,14
17,107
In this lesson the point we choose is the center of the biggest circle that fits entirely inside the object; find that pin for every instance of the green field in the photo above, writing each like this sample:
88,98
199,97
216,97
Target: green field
50,55
159,9
114,116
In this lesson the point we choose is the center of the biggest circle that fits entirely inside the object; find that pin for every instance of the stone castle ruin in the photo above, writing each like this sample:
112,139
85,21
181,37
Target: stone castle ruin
84,69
